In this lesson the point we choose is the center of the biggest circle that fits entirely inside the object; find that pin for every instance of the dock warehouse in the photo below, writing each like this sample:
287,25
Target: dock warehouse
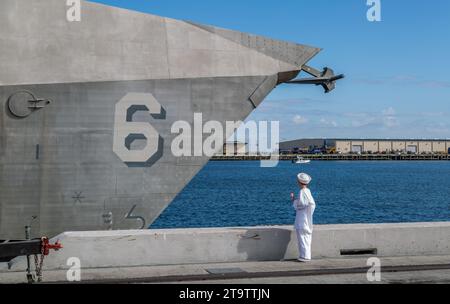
369,146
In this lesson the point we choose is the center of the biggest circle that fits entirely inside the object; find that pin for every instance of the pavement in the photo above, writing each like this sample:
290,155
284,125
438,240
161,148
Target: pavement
401,270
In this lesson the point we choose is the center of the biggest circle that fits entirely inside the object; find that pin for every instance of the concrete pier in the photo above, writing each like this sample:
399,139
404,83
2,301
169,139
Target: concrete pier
424,269
177,248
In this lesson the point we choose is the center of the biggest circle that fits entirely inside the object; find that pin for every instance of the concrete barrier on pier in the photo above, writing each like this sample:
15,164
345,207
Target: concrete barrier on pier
198,246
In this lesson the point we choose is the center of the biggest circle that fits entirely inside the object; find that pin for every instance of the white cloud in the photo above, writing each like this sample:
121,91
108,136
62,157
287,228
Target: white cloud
438,128
389,112
300,120
391,122
432,114
386,119
390,118
328,123
359,120
361,123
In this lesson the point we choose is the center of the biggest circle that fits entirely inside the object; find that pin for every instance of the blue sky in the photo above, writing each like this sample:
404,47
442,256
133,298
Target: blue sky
398,70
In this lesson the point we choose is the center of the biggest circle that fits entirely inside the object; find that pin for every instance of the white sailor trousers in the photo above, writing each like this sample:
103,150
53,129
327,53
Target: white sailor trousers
304,244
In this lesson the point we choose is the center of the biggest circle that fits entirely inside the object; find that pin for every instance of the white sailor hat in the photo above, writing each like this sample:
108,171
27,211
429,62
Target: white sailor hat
304,178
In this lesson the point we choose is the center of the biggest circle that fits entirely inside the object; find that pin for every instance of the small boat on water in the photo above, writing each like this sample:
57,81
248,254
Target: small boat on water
300,160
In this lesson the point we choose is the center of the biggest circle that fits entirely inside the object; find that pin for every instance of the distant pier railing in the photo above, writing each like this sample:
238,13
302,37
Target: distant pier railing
340,157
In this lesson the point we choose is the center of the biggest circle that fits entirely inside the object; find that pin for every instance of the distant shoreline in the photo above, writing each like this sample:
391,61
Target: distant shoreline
341,157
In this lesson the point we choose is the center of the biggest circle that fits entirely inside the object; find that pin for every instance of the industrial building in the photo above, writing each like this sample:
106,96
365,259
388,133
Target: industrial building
367,146
413,146
234,149
307,146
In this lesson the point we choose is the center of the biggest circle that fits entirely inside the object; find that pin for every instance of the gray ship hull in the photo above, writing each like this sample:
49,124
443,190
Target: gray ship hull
69,91
58,164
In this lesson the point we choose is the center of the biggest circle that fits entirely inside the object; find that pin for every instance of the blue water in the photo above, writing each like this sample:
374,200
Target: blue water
228,194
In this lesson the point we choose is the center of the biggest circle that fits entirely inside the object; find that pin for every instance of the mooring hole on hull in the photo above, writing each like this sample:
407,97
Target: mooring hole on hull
355,252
